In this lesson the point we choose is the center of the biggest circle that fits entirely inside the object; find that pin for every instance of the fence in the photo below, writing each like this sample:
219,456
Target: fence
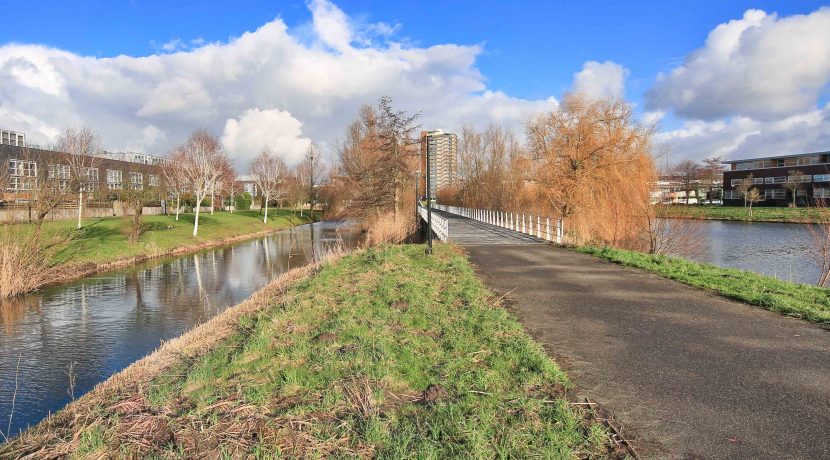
546,228
440,225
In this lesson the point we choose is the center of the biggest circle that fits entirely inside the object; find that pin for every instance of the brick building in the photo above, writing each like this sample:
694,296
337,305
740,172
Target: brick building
806,175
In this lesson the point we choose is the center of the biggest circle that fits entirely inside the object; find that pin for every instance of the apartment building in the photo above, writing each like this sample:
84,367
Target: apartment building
781,180
440,149
12,138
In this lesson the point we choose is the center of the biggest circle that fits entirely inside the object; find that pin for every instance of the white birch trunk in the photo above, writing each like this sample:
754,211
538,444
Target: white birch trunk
265,219
196,221
80,207
178,205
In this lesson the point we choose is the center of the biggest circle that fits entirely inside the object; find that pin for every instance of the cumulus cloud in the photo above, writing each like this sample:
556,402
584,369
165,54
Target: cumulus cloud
304,88
600,80
760,66
272,128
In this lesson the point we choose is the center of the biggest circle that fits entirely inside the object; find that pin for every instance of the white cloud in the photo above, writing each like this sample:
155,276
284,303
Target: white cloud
760,66
309,86
272,128
744,137
600,80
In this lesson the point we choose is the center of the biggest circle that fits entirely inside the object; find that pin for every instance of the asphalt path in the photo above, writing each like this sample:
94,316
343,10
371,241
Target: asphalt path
685,373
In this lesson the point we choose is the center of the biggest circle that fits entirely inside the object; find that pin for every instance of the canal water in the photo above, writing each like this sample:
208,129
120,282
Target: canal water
780,250
95,327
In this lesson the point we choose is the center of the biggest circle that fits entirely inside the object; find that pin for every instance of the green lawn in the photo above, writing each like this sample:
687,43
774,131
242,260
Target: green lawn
104,240
386,353
759,213
802,301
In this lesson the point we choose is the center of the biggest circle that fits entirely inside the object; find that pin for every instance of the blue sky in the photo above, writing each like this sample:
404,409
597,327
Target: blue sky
529,51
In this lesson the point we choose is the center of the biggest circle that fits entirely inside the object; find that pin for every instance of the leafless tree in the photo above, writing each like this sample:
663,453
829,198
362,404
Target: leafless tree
135,198
744,187
753,195
202,166
794,184
309,175
688,172
82,152
396,134
712,173
269,173
819,231
173,173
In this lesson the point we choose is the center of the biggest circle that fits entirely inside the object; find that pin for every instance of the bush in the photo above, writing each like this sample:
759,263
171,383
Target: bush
243,201
26,259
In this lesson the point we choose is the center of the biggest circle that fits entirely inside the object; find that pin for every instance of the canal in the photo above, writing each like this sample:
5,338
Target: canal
90,329
779,250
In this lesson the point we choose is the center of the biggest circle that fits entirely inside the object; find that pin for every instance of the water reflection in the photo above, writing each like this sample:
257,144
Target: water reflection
107,321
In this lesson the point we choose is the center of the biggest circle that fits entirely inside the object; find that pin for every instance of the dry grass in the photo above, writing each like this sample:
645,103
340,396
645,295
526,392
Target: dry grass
385,229
59,435
26,259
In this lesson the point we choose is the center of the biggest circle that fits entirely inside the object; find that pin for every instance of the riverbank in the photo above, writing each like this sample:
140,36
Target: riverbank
810,303
102,244
382,353
739,213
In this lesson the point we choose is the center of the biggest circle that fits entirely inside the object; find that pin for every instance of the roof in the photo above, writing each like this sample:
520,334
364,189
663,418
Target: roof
729,162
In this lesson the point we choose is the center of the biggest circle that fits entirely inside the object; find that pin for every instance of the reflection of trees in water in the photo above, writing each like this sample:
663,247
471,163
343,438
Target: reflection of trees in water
14,310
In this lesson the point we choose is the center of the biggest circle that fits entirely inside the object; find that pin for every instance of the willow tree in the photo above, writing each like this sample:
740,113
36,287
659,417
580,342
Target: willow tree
594,167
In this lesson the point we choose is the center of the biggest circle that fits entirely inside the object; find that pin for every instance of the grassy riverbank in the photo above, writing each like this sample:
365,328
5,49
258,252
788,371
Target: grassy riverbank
739,213
802,301
105,240
386,353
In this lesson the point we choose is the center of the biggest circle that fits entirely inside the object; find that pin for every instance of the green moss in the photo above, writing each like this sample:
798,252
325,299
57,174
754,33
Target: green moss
802,301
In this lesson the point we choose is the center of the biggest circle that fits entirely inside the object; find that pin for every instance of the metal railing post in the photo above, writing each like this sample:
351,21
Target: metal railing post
548,236
538,226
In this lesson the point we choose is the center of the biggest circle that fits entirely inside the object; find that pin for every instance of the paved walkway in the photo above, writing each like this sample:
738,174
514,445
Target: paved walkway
686,373
465,231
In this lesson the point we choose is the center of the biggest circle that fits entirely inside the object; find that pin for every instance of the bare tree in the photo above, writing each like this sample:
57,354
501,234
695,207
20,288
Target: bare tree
819,232
744,187
135,198
82,152
174,175
309,174
712,173
269,173
203,159
794,183
689,173
753,195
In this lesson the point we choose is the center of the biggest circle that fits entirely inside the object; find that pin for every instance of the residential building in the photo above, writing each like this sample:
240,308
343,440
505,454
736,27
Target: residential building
12,138
440,149
805,175
133,157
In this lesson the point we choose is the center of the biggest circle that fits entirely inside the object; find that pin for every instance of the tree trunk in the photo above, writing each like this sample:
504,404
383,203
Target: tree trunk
265,219
80,207
178,205
196,221
212,203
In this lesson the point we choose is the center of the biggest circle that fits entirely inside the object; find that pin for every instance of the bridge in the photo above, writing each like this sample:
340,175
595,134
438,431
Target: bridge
686,373
483,226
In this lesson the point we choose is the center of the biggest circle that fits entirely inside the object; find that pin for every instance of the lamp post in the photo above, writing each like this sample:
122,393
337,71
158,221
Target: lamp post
429,207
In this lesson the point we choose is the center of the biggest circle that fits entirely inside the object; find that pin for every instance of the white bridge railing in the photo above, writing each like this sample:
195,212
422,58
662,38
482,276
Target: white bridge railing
546,228
440,225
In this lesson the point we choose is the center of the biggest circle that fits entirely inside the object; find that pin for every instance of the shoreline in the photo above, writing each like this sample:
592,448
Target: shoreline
75,271
728,219
189,345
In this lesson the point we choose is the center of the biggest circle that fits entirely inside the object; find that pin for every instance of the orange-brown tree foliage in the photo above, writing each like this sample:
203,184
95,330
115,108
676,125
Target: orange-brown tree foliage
593,167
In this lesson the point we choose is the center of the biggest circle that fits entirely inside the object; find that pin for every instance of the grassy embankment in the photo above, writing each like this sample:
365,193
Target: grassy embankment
739,213
386,353
105,240
802,301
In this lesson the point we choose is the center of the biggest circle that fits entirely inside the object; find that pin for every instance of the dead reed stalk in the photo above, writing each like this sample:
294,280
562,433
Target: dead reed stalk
26,259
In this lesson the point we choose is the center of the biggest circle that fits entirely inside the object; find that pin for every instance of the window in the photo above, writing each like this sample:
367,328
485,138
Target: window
90,179
775,180
737,182
801,193
114,179
821,178
799,178
136,181
732,195
22,174
821,193
775,194
60,174
758,180
153,180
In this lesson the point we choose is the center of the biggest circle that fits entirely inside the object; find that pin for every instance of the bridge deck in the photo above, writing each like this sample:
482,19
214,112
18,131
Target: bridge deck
467,231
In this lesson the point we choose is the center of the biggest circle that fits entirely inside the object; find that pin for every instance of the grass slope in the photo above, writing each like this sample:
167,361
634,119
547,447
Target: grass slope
386,353
739,213
802,301
105,240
